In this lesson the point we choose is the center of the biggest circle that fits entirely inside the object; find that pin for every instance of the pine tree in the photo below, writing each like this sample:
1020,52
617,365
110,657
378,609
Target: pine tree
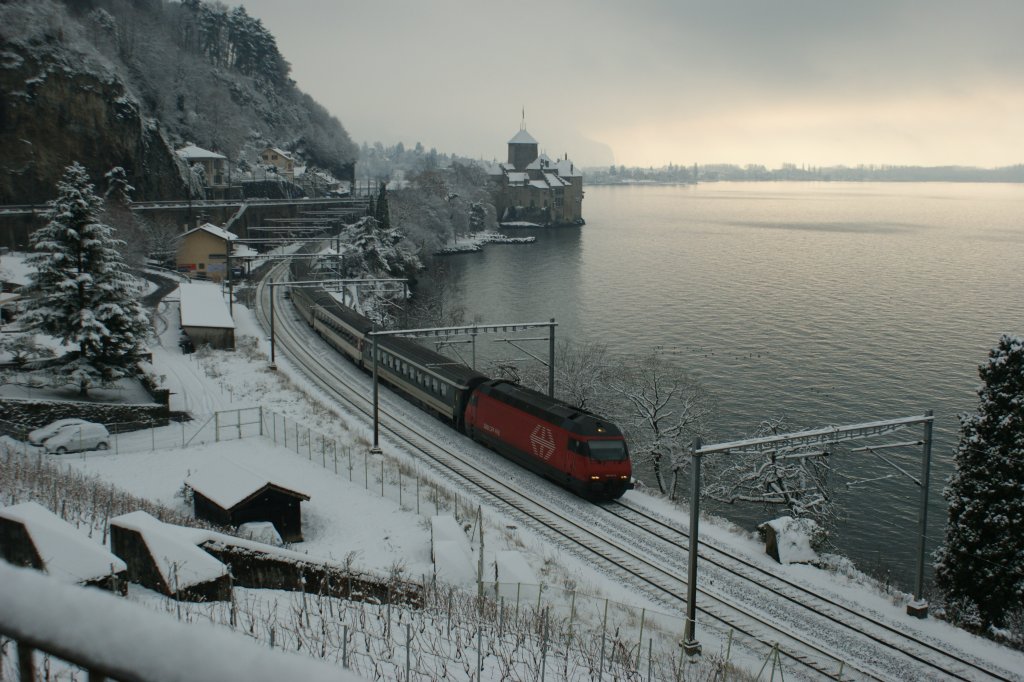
980,568
383,214
83,292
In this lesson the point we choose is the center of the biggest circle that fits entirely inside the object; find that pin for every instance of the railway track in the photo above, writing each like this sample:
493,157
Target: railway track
807,640
936,656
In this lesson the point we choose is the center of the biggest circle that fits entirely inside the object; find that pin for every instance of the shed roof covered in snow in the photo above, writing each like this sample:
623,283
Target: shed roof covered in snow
180,563
202,305
229,484
67,554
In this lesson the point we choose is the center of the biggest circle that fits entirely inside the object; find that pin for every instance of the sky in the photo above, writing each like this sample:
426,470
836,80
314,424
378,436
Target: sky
649,82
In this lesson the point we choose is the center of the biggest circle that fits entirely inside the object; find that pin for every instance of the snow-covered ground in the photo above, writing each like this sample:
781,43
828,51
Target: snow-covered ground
382,523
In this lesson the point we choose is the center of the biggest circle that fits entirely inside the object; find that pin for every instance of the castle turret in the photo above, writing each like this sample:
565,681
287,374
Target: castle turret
522,150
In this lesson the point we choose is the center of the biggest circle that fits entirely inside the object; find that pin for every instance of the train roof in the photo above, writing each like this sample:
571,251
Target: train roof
445,367
550,409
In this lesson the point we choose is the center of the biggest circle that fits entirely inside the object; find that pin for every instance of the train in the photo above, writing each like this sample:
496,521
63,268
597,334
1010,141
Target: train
574,448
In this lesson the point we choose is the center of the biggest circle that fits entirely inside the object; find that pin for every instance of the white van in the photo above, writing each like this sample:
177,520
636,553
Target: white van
78,437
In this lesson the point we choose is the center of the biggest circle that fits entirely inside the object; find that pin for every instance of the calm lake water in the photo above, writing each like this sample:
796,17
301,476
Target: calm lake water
828,303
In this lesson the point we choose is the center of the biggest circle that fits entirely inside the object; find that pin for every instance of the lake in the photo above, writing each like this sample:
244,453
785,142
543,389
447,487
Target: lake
826,303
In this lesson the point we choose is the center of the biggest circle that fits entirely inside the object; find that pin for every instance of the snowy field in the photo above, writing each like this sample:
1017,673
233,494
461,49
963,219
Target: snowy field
376,513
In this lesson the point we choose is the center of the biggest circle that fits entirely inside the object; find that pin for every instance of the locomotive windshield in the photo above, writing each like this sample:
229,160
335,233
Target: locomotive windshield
608,450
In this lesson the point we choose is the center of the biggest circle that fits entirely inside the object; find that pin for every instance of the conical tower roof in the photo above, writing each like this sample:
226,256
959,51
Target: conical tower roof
523,137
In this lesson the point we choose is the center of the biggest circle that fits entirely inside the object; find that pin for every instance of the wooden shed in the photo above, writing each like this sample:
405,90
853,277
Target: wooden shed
205,316
228,493
31,535
167,559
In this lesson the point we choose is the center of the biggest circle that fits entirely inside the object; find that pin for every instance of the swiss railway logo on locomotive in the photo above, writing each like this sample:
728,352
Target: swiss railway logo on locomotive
542,441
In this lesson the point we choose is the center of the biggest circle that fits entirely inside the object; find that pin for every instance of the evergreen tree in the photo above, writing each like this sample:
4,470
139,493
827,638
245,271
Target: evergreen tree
84,294
980,568
383,214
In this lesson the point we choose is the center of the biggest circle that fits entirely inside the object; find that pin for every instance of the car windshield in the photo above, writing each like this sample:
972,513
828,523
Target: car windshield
608,450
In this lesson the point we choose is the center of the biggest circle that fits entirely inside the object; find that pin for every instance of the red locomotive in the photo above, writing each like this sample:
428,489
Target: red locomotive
576,449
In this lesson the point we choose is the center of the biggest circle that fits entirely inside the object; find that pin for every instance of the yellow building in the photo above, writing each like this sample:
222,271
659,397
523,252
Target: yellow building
203,252
279,159
530,187
215,166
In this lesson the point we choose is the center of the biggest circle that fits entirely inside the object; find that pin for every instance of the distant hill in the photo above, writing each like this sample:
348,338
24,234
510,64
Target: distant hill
114,83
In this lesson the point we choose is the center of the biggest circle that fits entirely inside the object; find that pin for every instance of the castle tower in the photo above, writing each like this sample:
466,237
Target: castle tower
522,150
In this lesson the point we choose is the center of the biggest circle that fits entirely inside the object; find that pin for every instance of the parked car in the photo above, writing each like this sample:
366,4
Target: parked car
39,436
78,437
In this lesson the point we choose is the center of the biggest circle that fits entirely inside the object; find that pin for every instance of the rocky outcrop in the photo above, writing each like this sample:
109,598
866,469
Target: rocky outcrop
55,110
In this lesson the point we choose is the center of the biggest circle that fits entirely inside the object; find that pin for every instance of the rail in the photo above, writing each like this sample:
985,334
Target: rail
111,638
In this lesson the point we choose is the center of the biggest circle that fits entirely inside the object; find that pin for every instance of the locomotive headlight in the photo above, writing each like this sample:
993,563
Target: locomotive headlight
595,478
624,478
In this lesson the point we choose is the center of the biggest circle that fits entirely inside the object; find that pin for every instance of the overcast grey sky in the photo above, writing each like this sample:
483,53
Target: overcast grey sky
647,82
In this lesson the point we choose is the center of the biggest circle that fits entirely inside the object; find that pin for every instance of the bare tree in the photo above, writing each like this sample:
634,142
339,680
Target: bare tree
794,479
661,409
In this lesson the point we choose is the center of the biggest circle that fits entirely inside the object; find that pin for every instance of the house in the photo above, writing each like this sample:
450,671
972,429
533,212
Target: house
205,317
228,493
281,160
203,252
534,188
215,166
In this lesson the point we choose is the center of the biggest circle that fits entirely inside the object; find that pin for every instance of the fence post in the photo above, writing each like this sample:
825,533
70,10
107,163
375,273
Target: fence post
216,427
604,632
479,650
382,477
408,650
640,639
544,648
399,487
417,494
323,449
261,419
152,435
344,648
26,666
182,433
366,470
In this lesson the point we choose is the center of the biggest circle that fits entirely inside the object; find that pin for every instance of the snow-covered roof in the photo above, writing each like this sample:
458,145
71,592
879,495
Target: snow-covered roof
512,567
244,251
214,230
106,631
522,137
279,152
539,184
542,161
193,152
67,555
228,484
203,305
518,177
181,563
567,169
554,180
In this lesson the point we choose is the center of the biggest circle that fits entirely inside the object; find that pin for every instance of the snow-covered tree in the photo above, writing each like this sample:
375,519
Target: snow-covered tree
794,480
377,252
661,409
980,567
83,292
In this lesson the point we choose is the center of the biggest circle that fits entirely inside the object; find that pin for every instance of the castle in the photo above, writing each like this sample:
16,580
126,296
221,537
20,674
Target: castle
531,187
